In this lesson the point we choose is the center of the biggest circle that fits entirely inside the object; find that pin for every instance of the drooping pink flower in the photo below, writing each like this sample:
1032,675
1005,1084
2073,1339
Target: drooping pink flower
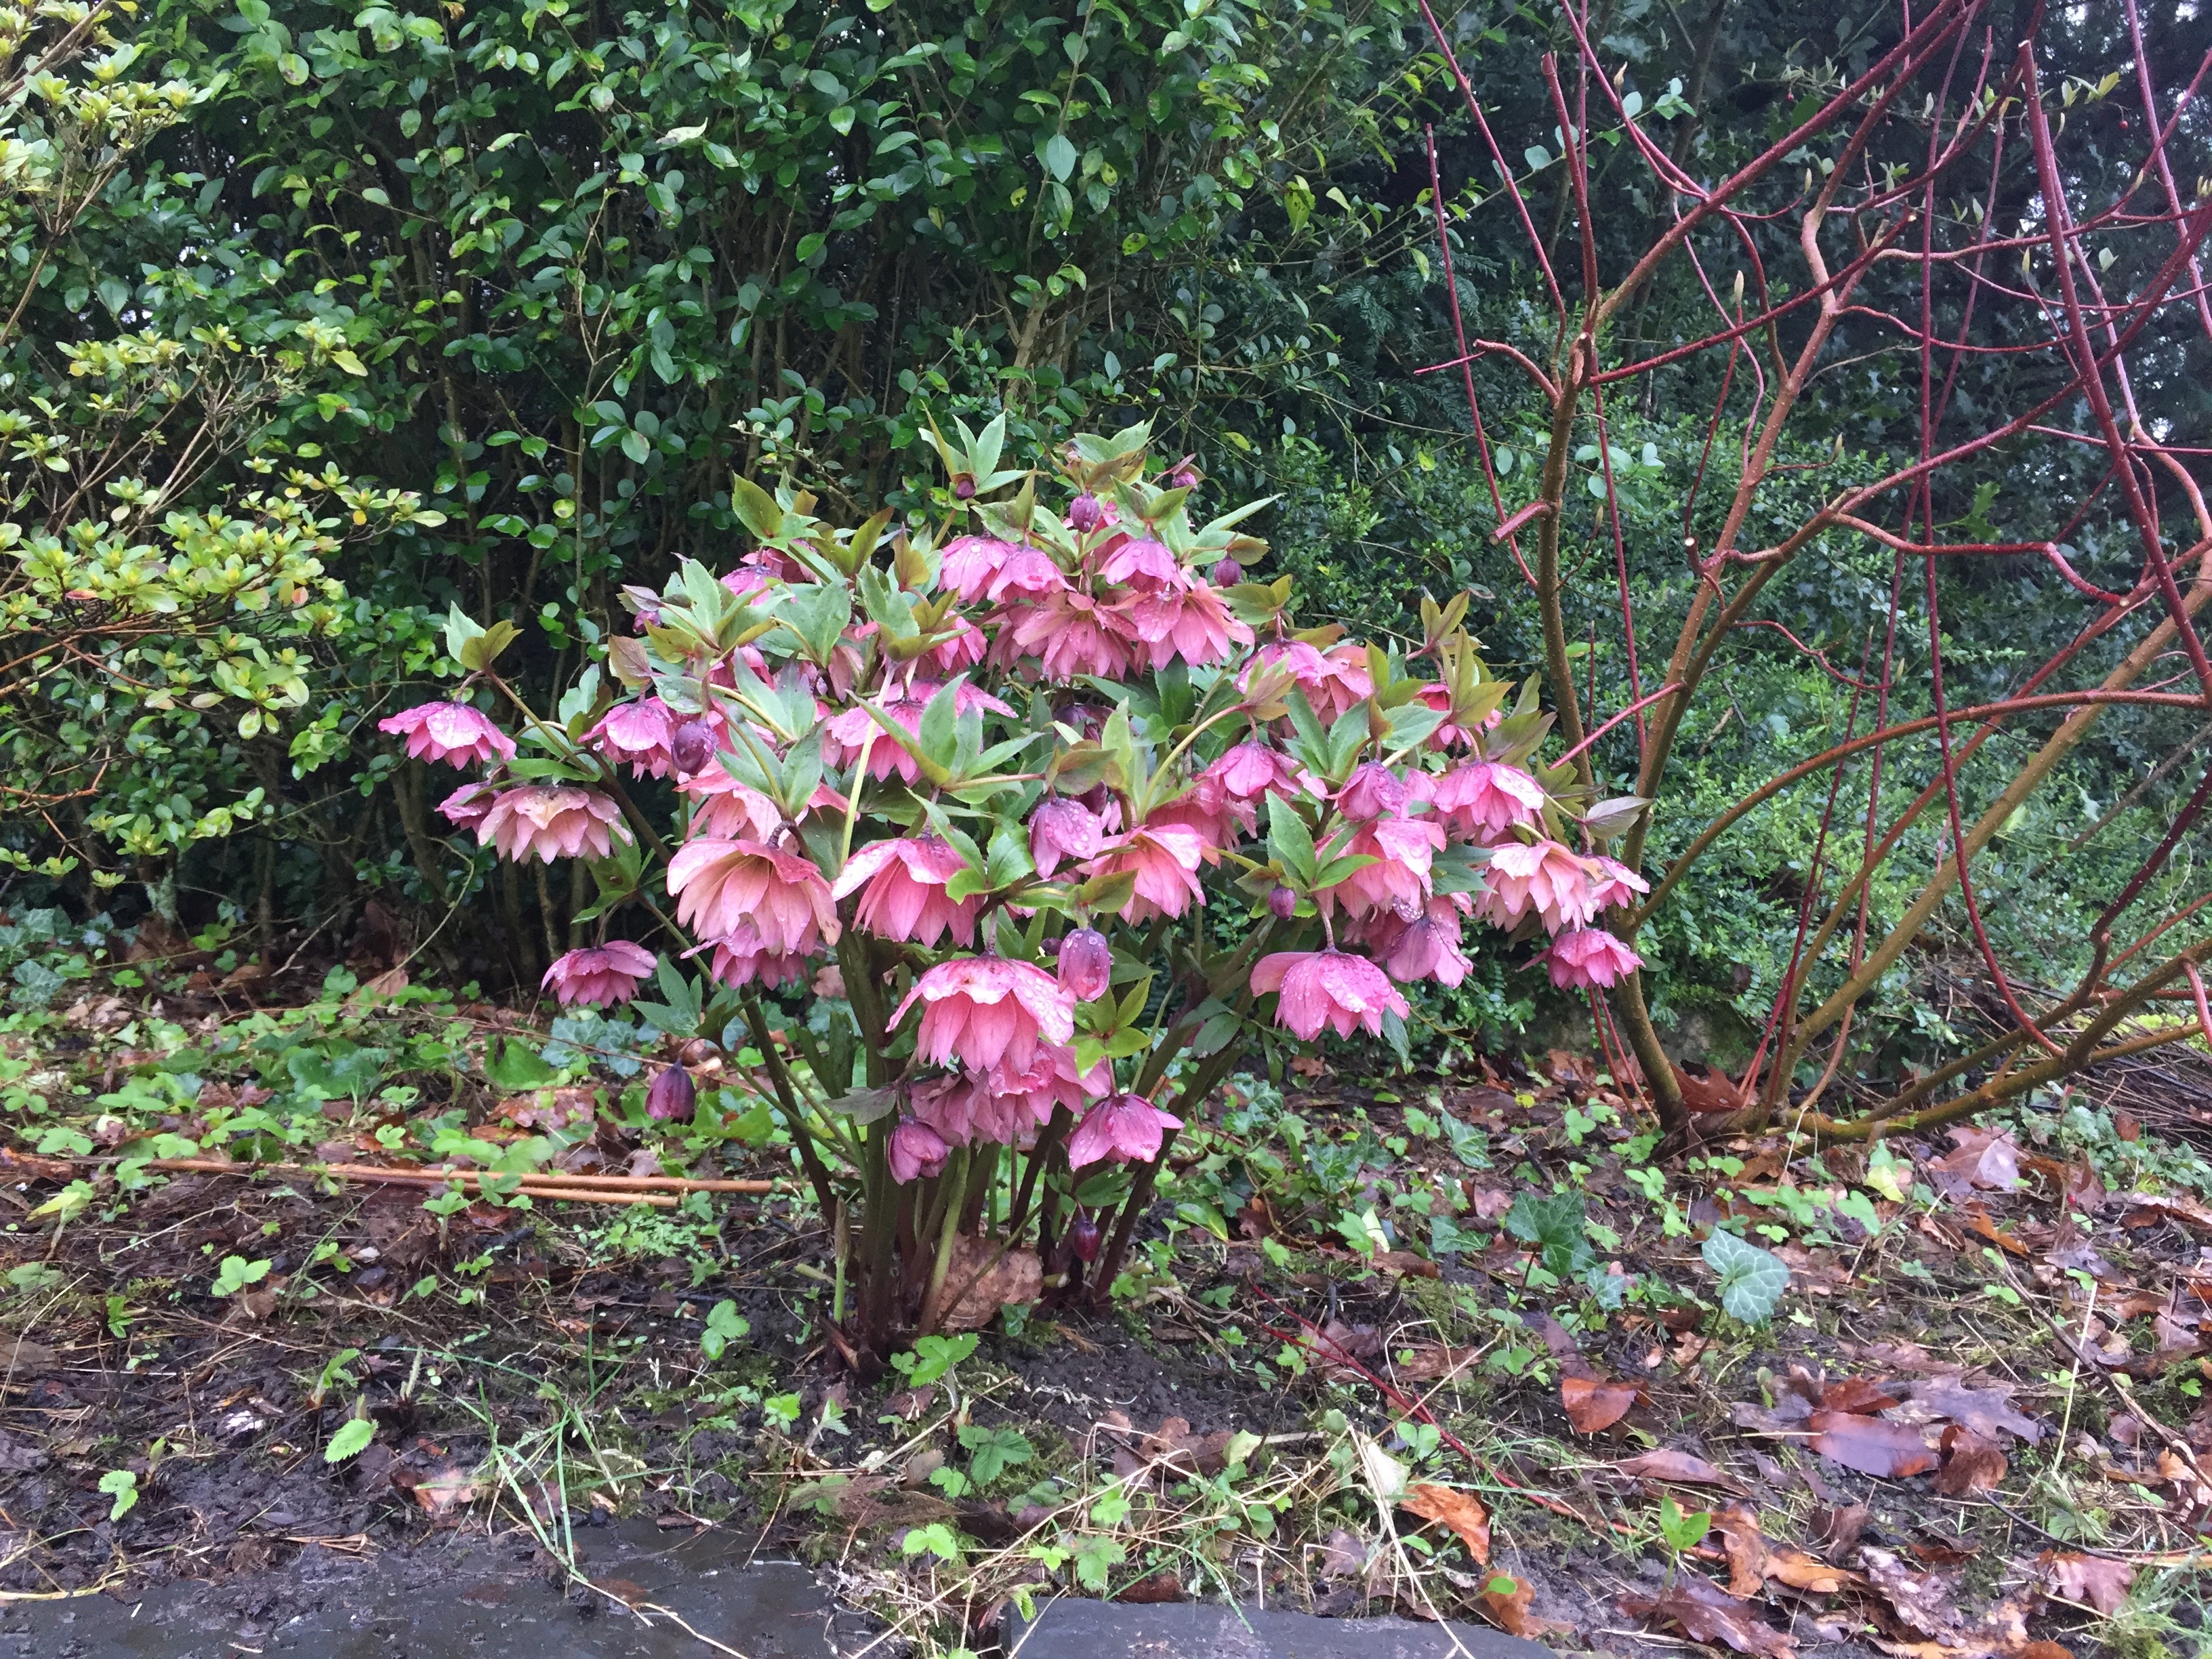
1086,965
1207,807
727,809
1250,769
1404,851
721,886
1141,562
1124,1128
983,567
740,959
673,1098
1545,878
1482,800
551,821
467,805
1328,987
454,733
915,1149
967,648
979,1011
1164,861
1072,635
1009,1104
1425,947
1588,957
1061,829
1193,624
600,975
1450,735
1332,682
906,898
1615,883
1372,791
637,735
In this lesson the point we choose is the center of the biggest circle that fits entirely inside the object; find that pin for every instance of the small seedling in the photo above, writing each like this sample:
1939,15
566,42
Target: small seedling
237,1272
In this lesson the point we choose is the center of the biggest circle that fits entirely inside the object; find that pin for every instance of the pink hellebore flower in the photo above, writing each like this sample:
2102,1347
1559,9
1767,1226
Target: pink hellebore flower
1061,829
1403,850
727,808
967,648
1164,860
979,1011
637,734
1249,770
1374,791
1615,883
1545,878
1590,958
1142,563
982,567
1428,945
1481,801
1328,987
916,1149
1208,808
1124,1128
1195,625
741,959
1449,735
551,821
467,805
1071,635
721,886
601,976
906,897
453,732
1332,683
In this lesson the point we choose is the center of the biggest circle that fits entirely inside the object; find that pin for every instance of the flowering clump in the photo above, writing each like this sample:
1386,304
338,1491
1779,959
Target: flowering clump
1059,811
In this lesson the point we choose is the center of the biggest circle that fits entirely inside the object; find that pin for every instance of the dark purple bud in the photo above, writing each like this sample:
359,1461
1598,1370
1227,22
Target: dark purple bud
1185,474
1083,1238
963,486
692,746
1085,514
671,1099
1228,574
1283,901
1086,963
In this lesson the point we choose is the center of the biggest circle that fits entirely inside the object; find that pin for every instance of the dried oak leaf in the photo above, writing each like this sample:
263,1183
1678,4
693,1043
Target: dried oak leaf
1988,1411
1865,1395
1596,1402
1014,1278
1704,1612
1463,1511
1987,1158
1920,1601
1889,1450
1755,1559
1343,1554
1971,1463
1688,1468
2090,1580
1433,1362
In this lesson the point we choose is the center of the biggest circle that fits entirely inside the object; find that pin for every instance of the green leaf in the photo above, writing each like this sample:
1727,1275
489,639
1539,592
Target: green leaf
121,1485
992,1452
1752,1279
724,1325
351,1440
1553,1222
1059,156
510,1065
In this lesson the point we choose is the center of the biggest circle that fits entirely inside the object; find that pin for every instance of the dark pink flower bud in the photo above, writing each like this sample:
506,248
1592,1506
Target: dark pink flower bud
1085,514
671,1099
692,746
1228,574
1185,474
1086,963
1083,1238
1283,901
964,487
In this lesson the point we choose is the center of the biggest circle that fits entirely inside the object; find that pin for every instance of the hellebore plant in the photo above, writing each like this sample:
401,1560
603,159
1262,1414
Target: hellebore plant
1057,812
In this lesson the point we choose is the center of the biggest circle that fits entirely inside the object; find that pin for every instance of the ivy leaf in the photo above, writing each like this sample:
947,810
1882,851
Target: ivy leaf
1553,1222
1752,1279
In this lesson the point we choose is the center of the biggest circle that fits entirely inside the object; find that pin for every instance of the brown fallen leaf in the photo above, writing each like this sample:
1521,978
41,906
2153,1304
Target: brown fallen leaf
1788,1565
1745,1549
1432,1362
1343,1554
1920,1601
1888,1450
1987,1158
1864,1395
1013,1278
444,1491
1594,1402
1988,1411
1162,1586
2091,1581
1838,1529
1461,1511
1508,1609
1970,1463
1704,1612
1980,1223
1688,1468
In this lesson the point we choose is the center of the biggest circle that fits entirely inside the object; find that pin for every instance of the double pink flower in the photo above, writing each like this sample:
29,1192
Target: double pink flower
454,733
905,897
600,975
549,821
979,1011
1329,988
724,887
